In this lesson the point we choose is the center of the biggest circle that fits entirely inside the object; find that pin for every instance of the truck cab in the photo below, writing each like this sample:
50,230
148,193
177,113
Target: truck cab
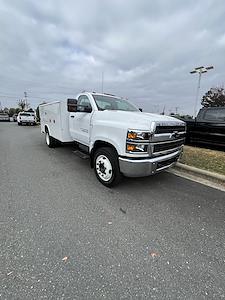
208,127
118,137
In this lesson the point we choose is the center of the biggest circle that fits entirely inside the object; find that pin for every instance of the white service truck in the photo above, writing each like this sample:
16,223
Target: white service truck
118,137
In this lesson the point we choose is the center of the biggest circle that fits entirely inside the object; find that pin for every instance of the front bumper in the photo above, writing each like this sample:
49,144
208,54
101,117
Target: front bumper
147,166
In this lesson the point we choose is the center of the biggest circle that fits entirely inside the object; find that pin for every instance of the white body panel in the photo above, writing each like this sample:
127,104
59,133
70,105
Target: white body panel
55,117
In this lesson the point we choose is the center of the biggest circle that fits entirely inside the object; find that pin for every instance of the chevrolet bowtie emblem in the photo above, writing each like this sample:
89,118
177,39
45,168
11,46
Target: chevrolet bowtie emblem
175,135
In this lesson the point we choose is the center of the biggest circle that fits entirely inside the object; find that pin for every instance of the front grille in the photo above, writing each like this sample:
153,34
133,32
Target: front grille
167,162
167,146
169,129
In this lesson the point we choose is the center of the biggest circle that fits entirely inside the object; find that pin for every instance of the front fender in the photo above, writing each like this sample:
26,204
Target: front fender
107,140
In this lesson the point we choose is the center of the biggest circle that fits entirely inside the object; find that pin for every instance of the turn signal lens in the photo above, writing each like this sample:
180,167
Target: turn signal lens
132,135
131,147
137,148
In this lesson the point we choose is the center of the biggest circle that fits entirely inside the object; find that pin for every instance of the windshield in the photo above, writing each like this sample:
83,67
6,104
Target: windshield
215,114
113,103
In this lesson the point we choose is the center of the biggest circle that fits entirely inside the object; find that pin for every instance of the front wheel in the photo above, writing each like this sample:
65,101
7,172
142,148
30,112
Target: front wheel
106,166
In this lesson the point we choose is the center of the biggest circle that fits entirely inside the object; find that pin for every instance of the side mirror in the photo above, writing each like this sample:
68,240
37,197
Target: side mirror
72,105
140,109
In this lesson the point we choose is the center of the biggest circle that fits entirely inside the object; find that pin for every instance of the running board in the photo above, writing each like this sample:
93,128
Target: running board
81,154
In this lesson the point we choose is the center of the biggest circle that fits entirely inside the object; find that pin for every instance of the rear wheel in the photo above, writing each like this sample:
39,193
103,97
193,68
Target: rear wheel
49,140
106,166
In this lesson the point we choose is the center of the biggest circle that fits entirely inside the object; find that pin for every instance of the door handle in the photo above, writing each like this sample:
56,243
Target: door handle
71,116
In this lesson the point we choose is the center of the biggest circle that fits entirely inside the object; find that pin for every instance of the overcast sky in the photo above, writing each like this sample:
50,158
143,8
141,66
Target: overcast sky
54,49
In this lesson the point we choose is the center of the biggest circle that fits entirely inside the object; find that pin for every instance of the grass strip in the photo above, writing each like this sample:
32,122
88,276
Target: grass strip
206,159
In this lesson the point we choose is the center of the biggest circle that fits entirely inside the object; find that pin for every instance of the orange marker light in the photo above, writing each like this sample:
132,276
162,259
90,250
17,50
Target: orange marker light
131,147
132,135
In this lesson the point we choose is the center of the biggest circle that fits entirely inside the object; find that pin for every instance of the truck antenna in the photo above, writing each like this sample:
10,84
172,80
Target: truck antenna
102,81
25,98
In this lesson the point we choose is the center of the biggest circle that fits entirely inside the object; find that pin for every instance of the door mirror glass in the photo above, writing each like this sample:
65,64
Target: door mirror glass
72,105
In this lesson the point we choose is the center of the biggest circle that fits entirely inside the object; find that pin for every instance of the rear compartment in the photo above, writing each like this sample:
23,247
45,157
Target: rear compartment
55,119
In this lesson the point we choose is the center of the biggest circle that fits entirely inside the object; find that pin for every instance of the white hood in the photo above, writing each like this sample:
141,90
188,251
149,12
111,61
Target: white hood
136,120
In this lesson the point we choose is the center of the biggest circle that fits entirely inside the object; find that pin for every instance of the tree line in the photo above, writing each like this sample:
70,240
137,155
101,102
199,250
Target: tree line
15,110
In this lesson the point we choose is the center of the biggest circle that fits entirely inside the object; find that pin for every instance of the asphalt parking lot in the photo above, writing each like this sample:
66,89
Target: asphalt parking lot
63,235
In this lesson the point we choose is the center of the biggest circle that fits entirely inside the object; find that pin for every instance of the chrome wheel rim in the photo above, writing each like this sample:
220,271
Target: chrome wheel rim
104,168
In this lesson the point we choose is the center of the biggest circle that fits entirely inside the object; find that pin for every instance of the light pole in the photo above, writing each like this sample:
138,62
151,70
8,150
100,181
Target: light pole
25,98
199,70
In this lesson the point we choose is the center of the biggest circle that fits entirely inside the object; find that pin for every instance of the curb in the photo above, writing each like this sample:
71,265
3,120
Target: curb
197,171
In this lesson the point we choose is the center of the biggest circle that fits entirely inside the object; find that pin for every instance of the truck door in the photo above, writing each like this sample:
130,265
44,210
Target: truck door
80,120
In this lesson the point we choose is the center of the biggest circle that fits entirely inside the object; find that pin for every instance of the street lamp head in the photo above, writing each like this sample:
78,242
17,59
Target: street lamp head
198,68
201,69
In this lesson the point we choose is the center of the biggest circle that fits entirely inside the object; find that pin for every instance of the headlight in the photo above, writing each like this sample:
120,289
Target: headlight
136,148
138,135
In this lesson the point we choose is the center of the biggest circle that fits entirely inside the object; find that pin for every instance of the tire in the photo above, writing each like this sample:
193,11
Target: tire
19,124
49,140
106,166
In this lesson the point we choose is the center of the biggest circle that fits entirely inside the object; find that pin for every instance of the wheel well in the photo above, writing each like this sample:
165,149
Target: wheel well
46,128
97,145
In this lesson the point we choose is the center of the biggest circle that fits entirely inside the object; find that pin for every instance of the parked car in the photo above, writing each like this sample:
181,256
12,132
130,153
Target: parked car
27,118
4,117
15,117
208,127
115,134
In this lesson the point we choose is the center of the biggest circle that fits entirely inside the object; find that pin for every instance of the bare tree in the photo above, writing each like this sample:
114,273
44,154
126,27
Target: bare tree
22,104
